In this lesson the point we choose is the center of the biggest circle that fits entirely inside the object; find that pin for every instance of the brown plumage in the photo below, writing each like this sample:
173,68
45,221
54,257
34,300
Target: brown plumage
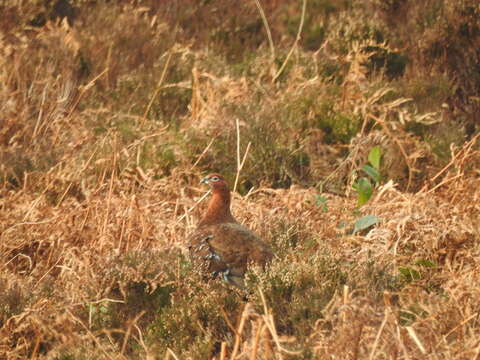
222,246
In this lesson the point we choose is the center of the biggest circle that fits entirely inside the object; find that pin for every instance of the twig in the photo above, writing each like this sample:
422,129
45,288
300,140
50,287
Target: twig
129,331
194,206
443,183
227,320
415,338
90,311
142,343
240,163
159,87
268,319
141,140
265,23
59,201
444,337
223,351
357,339
238,335
379,333
170,352
94,338
295,43
243,162
110,187
464,150
237,123
203,153
345,302
256,342
83,90
30,262
40,114
27,223
477,353
48,271
402,344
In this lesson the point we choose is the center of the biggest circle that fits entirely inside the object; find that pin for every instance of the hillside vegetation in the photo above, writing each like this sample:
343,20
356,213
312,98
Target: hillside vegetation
348,129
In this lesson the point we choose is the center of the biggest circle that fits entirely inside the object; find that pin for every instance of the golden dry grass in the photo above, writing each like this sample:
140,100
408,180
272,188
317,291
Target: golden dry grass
107,128
62,263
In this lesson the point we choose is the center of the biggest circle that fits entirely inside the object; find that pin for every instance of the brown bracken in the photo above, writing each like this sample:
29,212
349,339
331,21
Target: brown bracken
222,246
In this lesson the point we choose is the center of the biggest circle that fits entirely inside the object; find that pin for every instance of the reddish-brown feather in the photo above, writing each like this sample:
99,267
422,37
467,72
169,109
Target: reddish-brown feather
221,245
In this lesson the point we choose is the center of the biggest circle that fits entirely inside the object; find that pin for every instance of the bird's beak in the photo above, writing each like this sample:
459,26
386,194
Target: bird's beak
205,180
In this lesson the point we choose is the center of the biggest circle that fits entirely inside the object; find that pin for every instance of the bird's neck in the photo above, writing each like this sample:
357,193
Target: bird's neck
218,209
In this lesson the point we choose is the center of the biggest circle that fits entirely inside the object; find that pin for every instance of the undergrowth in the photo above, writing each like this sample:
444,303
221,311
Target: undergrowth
112,112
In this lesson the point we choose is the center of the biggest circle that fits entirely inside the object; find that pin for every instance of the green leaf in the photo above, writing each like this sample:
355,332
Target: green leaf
374,157
425,263
365,222
321,201
364,189
372,172
409,274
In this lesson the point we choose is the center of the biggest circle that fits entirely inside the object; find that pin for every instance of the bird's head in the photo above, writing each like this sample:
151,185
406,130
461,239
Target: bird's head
216,181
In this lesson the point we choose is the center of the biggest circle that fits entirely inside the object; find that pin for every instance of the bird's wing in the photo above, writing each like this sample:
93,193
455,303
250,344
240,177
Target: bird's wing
257,250
228,247
203,254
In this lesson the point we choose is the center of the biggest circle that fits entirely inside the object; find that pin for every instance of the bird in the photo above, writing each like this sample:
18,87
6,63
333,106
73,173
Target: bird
220,245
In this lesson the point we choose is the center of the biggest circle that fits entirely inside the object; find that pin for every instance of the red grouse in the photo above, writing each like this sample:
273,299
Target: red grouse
222,246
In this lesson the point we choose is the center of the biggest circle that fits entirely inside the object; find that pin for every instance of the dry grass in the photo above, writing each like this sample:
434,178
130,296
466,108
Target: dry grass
99,275
108,126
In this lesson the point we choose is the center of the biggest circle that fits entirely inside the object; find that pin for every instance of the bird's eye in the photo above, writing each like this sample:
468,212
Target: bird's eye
214,178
